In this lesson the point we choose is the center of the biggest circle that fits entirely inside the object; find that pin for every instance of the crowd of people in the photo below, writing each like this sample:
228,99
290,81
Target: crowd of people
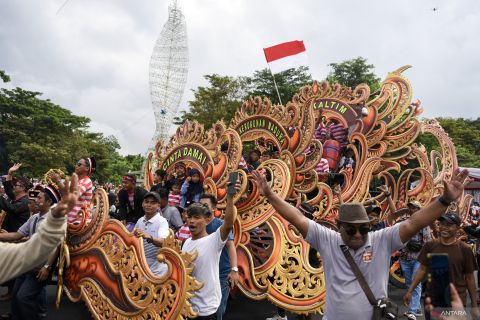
355,259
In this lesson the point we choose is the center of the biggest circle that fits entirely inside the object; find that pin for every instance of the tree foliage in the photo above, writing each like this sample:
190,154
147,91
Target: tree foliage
465,134
224,94
42,135
218,100
354,72
289,82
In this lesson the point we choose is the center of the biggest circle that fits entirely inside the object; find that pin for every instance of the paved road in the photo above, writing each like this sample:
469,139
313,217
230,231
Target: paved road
239,308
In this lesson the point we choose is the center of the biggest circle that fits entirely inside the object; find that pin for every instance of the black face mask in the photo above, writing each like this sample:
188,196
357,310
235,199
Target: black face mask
352,230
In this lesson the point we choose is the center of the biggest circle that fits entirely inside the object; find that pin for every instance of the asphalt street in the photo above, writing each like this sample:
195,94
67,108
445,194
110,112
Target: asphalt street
239,308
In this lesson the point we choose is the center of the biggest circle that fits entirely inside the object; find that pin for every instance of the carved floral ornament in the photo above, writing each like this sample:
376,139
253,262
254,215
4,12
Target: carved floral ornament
273,258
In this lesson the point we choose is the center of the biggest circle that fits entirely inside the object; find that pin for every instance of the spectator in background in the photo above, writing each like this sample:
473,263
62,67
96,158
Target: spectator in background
84,168
32,201
192,188
460,260
184,232
254,159
347,160
130,200
15,203
174,196
15,200
410,264
169,212
160,180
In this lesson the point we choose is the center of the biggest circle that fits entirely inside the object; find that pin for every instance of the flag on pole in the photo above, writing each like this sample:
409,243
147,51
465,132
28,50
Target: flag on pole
286,55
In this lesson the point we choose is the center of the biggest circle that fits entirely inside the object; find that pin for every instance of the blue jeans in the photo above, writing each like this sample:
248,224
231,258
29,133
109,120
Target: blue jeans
225,286
26,296
409,268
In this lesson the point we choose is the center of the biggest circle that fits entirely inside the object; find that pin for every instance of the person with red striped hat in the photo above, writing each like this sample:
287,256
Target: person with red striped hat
84,168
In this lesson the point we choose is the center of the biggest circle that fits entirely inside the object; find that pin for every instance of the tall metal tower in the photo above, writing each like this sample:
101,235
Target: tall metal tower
168,71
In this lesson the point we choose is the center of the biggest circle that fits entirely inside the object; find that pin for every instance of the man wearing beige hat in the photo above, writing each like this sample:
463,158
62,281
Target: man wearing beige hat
370,250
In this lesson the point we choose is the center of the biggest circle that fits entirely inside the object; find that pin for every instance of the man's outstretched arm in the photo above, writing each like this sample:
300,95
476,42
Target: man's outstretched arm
286,210
452,190
20,258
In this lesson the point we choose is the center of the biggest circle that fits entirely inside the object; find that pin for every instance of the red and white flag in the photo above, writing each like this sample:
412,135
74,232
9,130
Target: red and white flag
286,55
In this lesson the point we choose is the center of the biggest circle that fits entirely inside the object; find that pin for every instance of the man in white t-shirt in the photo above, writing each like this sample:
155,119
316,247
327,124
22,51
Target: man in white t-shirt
153,228
209,248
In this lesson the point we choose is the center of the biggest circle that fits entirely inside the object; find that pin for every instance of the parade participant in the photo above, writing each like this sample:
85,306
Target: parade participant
160,181
461,264
228,259
192,188
168,212
130,200
19,258
15,200
32,201
30,286
174,196
254,159
347,160
179,173
183,233
354,242
410,264
209,248
153,228
84,168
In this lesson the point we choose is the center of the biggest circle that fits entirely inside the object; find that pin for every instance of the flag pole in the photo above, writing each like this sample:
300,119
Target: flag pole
276,88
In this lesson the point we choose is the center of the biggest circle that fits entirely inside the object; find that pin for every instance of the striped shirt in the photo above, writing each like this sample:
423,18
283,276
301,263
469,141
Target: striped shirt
322,166
243,164
85,188
183,233
321,131
338,133
174,199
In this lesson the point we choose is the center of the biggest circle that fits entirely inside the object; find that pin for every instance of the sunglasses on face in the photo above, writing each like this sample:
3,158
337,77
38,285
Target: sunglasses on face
79,164
352,230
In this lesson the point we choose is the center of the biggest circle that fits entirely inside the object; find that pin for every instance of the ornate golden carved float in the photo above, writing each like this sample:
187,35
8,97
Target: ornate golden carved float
107,268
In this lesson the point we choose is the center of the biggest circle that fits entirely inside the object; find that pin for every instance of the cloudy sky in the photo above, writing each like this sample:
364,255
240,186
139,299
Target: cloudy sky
93,56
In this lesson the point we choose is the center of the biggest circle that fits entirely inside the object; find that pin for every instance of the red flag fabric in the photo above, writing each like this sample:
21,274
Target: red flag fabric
285,56
283,50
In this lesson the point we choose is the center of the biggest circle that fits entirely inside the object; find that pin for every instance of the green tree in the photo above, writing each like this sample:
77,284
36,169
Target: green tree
218,100
43,135
225,94
289,82
354,72
465,134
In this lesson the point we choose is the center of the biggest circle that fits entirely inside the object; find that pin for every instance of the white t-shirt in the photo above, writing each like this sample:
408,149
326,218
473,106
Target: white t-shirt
157,227
207,300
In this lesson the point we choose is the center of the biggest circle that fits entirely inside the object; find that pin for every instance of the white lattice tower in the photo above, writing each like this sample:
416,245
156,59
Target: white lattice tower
168,71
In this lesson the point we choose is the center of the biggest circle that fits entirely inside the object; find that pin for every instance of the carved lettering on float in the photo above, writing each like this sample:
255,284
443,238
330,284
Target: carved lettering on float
187,152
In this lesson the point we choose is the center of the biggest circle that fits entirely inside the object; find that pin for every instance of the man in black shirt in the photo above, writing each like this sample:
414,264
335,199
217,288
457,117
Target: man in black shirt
130,200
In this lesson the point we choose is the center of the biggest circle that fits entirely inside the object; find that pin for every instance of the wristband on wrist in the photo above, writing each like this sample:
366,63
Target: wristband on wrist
444,201
235,269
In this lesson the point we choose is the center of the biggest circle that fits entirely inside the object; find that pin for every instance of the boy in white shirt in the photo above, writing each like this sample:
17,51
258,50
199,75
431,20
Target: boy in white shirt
209,247
153,228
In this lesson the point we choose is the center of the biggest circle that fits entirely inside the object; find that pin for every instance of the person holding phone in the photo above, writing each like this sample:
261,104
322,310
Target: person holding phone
461,265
